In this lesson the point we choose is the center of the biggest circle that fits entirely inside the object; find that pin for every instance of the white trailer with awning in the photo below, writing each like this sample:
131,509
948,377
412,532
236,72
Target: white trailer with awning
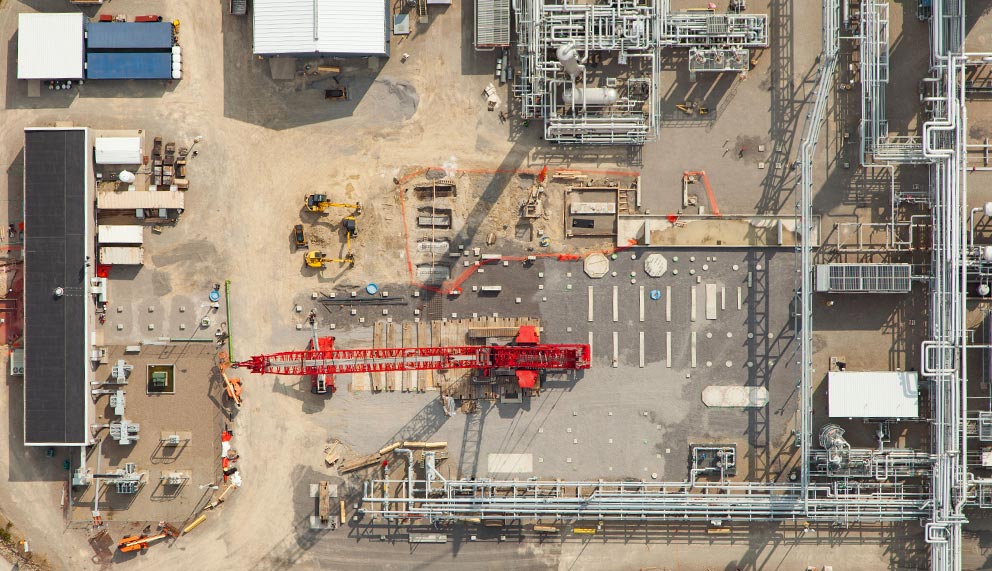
117,150
873,394
121,234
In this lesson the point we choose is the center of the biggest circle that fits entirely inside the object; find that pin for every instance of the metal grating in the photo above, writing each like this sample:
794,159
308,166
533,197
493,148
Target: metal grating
492,24
863,278
985,426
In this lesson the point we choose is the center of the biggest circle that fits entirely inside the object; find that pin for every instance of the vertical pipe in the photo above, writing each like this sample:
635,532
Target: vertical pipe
230,330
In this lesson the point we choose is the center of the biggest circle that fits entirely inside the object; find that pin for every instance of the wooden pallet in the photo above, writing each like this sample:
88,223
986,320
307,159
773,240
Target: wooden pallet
437,333
425,379
393,378
378,342
409,340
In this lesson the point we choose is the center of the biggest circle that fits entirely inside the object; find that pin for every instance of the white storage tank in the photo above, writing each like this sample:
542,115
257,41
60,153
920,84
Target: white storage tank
591,96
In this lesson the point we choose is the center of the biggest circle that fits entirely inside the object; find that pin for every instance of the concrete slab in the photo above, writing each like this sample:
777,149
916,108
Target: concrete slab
735,397
510,463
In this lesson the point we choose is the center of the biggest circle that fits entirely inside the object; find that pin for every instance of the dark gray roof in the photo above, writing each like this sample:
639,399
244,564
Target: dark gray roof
55,360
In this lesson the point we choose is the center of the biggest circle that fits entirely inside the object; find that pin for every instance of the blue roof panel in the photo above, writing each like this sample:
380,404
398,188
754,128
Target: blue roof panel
128,35
128,65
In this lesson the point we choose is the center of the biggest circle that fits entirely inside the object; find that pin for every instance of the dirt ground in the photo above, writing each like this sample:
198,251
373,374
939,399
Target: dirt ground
268,143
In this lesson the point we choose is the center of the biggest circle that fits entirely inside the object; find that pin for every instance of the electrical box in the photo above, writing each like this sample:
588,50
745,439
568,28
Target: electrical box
17,363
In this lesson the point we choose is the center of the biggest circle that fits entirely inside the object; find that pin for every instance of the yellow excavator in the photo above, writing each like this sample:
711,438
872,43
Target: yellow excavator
320,203
317,259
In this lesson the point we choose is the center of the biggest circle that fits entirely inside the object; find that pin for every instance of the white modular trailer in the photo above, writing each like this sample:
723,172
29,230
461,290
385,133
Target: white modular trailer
122,255
121,234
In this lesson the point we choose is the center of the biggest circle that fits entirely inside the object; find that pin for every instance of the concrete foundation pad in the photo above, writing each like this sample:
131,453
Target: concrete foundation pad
596,265
715,396
282,68
510,463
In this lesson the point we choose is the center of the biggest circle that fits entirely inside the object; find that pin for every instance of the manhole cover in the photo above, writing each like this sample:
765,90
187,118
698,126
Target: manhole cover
655,265
596,265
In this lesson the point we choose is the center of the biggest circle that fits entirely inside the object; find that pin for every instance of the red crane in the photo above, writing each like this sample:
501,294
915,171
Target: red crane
524,357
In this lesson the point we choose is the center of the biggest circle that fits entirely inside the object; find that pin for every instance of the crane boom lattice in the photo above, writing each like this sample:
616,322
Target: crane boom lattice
486,358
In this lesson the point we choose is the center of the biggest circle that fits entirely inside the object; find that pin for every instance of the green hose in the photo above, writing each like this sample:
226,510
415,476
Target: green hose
230,336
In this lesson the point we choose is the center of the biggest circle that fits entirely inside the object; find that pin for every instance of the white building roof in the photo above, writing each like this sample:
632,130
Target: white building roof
117,150
122,234
874,394
50,46
356,27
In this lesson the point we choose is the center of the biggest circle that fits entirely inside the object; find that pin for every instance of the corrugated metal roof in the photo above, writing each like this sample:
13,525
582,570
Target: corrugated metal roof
492,23
111,200
50,46
128,65
117,150
873,394
123,255
128,35
356,27
120,234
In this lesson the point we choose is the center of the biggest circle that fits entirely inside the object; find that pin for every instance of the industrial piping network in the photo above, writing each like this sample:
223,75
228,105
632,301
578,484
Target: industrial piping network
842,500
556,40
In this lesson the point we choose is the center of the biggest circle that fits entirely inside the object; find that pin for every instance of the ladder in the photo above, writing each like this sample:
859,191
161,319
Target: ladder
422,11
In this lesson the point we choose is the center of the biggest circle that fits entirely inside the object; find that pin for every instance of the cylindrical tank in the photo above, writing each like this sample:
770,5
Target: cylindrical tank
176,66
177,74
176,58
984,290
126,176
988,208
569,58
177,49
987,253
591,96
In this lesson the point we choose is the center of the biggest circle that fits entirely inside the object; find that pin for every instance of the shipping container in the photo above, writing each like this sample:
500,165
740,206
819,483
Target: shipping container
123,234
122,255
128,35
111,200
128,65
